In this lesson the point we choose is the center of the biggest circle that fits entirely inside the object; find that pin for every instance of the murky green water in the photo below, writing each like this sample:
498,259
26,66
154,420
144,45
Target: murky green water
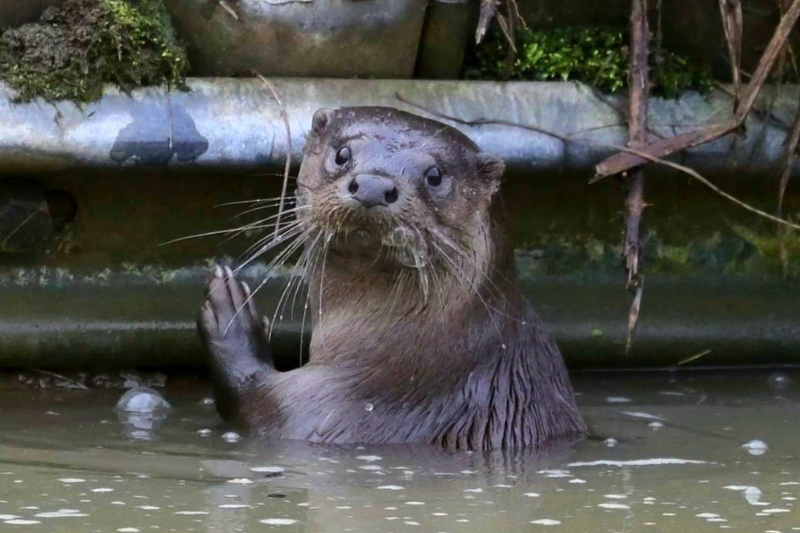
678,465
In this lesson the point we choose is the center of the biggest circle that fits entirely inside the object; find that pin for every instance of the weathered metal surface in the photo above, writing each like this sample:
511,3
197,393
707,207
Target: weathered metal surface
449,27
317,38
120,325
25,221
227,123
112,293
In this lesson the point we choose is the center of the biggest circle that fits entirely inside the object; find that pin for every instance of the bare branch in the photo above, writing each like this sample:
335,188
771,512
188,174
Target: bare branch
488,11
625,161
639,89
732,24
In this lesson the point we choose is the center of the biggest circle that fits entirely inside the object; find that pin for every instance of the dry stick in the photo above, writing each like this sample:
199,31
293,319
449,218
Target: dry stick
638,153
789,156
488,11
288,164
639,88
780,68
625,161
224,5
731,13
790,149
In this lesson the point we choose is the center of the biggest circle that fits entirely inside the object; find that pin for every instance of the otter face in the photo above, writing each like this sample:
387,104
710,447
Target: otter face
392,177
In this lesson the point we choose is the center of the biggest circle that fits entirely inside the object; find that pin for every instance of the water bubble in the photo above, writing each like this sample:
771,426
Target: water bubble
369,407
208,401
231,437
611,442
205,432
655,425
141,411
142,400
268,471
756,447
752,495
778,381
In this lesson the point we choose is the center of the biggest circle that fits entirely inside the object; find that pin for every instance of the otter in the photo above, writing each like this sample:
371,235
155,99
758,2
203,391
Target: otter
420,331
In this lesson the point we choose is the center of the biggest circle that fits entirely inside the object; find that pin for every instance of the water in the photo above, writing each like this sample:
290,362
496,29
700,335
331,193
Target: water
668,456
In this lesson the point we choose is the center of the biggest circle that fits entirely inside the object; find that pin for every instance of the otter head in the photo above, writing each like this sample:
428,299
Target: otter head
385,177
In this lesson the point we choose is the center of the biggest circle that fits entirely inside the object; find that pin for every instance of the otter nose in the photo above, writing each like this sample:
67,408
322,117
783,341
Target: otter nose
372,191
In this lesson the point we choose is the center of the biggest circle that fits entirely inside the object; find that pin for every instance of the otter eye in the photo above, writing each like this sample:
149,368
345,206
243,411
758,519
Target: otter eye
433,176
343,156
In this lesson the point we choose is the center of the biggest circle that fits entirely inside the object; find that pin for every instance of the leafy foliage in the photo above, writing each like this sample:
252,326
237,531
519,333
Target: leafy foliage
73,50
596,56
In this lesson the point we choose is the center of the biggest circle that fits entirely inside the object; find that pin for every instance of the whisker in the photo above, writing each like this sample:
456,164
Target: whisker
199,235
471,259
293,247
292,278
276,262
263,207
265,244
490,310
284,238
265,223
286,288
253,201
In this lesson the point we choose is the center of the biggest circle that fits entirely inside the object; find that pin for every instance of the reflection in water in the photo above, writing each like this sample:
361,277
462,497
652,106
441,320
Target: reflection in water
80,471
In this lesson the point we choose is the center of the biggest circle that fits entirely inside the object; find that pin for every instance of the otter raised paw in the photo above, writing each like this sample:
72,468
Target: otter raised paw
420,333
236,342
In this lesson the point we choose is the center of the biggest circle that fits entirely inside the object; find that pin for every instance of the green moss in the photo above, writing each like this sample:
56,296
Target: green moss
772,247
73,50
593,55
678,255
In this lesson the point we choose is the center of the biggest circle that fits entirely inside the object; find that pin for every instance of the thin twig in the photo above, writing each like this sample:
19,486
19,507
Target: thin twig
638,153
633,314
731,13
625,161
62,378
789,154
693,357
232,12
288,164
789,157
488,12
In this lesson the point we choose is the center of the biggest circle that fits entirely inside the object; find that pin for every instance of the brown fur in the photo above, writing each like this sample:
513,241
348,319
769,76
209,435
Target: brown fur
446,353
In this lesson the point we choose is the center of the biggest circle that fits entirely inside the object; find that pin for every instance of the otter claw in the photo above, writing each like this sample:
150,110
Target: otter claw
218,272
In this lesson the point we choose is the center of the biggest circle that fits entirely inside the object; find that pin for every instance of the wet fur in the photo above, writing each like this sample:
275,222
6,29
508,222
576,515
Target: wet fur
463,365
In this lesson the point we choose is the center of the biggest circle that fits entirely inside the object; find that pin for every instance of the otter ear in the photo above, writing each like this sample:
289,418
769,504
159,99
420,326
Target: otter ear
490,168
322,118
